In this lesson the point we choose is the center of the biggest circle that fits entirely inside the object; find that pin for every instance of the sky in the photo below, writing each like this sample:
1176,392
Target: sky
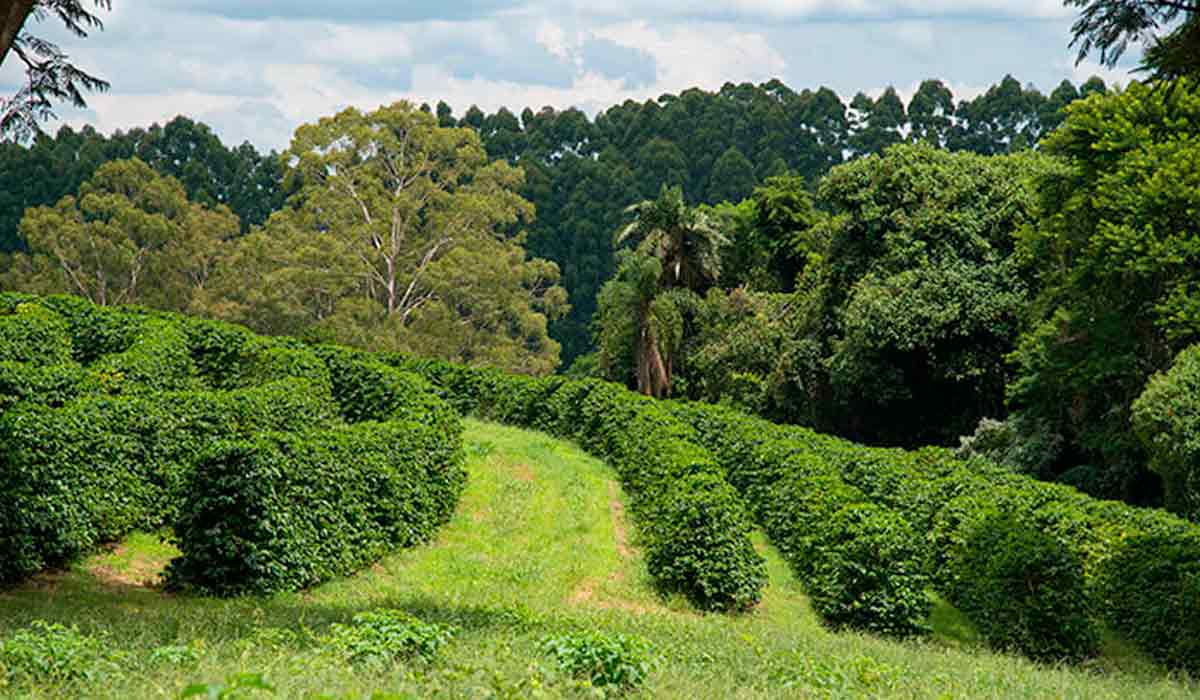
254,70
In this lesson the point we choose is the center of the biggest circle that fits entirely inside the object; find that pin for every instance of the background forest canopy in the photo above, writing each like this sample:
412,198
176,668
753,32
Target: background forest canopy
581,173
900,274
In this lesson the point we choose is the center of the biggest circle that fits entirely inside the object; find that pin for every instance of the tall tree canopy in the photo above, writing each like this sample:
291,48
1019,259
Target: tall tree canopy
718,146
130,236
1117,253
396,237
248,182
49,74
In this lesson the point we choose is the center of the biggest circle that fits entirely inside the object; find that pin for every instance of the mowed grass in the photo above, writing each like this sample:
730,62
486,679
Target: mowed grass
540,545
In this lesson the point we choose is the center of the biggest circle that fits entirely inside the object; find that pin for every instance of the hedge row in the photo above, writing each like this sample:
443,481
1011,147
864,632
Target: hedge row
94,331
52,385
91,471
280,511
157,360
857,560
693,526
108,412
1038,567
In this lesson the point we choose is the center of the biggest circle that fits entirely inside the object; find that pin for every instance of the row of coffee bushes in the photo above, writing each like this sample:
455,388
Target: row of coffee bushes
283,511
858,560
1038,567
123,419
74,477
691,523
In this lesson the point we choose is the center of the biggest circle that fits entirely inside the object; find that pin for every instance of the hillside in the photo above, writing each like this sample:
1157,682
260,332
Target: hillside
539,546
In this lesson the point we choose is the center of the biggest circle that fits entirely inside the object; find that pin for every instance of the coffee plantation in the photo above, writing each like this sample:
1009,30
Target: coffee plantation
275,465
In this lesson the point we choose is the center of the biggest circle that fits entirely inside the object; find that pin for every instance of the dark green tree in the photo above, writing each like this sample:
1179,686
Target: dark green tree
732,177
1116,255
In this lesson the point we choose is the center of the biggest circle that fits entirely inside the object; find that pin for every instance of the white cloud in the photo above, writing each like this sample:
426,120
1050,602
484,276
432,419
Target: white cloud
1087,69
701,55
258,78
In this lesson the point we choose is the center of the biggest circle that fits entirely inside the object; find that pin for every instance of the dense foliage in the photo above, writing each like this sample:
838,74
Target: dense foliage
1024,588
285,511
129,236
581,173
1167,419
248,182
895,326
106,424
1117,266
396,236
716,146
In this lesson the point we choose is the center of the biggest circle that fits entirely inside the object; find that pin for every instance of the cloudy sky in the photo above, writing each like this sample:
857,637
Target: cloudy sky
254,70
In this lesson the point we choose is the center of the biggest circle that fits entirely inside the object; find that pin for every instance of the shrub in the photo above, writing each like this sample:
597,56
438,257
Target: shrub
698,546
604,660
157,360
285,511
270,362
218,350
523,399
45,653
564,408
1150,592
868,573
35,335
1023,589
368,390
1167,420
94,470
794,510
52,385
386,636
94,330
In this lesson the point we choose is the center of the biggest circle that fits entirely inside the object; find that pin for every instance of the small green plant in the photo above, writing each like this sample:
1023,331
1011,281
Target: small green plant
234,688
174,655
46,653
614,661
384,636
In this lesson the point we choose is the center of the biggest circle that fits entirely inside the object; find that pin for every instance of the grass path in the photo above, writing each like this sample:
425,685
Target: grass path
540,544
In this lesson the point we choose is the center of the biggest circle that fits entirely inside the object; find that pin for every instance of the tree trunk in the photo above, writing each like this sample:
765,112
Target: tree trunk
11,21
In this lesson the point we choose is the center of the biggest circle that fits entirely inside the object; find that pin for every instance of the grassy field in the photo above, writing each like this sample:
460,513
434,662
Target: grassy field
540,546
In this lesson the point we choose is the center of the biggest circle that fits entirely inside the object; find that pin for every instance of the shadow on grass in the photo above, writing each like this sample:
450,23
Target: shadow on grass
137,615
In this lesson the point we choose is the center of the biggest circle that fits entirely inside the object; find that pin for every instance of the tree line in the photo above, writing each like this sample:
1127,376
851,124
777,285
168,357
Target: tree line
580,172
391,232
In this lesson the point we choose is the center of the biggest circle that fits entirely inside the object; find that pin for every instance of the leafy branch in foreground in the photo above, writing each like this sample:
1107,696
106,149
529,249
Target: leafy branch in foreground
50,76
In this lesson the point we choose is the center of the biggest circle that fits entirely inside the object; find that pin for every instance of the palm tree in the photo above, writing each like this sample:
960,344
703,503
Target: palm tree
684,240
642,309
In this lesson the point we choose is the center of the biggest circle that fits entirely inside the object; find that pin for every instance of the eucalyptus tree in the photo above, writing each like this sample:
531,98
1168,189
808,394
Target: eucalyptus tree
394,225
130,236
